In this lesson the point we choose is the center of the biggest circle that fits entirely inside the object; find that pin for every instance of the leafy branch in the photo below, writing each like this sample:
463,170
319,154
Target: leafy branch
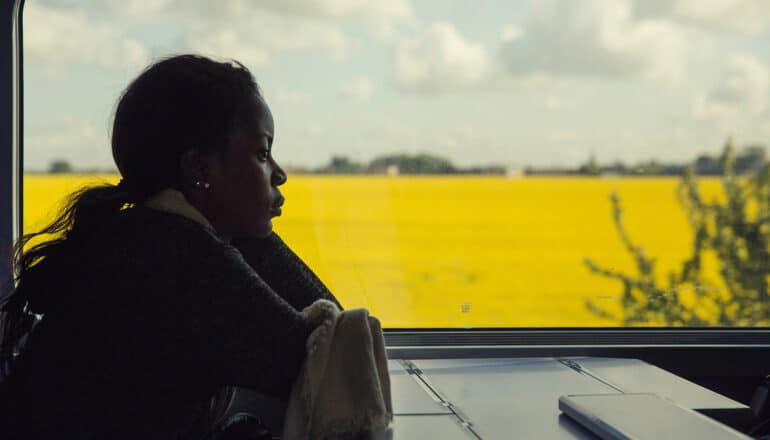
736,231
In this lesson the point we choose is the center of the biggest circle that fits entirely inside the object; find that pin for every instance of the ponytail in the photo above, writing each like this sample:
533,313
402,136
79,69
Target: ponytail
22,305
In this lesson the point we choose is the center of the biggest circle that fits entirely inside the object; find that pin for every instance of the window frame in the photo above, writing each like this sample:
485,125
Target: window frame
716,352
688,352
11,114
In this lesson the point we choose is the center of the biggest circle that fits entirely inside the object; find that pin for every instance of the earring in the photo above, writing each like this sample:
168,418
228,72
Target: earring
202,185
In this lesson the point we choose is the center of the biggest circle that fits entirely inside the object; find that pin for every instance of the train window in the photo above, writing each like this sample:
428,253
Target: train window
460,164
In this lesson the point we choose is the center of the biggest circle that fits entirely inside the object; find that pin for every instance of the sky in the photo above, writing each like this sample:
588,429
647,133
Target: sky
512,83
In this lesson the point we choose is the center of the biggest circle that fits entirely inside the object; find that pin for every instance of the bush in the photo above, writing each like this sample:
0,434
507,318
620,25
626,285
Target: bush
60,167
736,231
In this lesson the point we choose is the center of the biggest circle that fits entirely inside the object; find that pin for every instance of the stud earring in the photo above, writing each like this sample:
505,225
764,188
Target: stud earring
202,185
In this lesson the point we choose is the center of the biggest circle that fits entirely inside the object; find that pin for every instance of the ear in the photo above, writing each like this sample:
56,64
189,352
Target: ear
195,166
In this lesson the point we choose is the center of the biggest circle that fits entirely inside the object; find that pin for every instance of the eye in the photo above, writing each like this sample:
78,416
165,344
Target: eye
262,155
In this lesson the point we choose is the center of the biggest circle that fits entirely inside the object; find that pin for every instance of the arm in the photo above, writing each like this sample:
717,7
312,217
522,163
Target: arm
244,333
283,270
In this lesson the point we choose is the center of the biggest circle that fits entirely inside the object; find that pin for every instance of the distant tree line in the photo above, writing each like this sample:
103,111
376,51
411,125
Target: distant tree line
60,166
401,164
389,164
63,166
747,160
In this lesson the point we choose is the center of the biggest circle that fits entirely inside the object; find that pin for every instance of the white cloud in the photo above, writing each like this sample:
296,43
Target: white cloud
309,129
227,42
359,89
742,93
510,33
138,8
748,16
439,59
235,9
742,16
554,102
339,8
257,37
596,37
251,32
288,97
64,37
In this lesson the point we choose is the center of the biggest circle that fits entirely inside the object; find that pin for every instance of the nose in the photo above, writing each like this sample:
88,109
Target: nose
279,175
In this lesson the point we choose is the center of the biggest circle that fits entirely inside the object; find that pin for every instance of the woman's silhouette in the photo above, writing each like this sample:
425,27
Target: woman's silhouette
155,293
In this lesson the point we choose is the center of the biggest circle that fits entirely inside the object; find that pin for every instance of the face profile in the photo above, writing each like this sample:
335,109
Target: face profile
206,132
243,194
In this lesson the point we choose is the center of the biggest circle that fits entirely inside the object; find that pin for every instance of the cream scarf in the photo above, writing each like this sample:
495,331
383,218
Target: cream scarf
344,386
173,201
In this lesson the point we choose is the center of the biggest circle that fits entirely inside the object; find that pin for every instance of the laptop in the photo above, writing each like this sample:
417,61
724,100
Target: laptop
642,416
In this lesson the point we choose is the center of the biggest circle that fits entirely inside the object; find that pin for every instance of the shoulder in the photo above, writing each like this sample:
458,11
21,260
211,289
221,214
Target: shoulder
148,254
151,235
153,223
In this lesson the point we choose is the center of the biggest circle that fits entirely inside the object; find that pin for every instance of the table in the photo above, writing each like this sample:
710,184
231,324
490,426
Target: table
518,397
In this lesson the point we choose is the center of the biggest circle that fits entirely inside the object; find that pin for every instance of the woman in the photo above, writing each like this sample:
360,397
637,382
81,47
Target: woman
168,286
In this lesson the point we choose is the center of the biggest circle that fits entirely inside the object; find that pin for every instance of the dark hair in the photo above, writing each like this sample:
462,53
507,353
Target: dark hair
177,104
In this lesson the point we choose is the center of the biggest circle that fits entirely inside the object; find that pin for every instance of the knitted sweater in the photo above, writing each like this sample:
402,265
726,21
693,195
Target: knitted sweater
146,318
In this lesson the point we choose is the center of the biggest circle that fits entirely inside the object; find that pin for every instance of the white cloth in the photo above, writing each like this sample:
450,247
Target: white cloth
343,386
173,201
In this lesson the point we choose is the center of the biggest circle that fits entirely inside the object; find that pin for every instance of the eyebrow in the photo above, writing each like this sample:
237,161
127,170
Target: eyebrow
269,136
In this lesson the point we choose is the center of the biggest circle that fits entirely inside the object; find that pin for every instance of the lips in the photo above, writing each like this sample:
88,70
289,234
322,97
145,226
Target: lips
275,209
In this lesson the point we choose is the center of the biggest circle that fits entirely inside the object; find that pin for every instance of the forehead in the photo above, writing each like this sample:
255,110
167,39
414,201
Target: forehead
258,131
264,121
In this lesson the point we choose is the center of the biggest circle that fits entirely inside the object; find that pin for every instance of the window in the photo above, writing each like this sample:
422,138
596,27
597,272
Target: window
463,164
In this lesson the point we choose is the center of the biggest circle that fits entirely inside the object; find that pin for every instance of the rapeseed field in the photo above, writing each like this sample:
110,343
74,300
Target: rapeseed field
460,251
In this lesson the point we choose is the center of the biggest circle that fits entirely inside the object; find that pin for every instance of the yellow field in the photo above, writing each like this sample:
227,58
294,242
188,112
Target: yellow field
460,251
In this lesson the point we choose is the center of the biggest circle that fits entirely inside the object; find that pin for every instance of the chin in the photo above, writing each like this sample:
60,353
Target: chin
262,230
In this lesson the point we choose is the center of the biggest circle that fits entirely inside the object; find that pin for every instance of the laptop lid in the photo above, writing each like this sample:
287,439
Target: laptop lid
642,416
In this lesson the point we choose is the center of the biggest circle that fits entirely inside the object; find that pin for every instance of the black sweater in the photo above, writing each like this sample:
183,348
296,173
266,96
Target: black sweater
146,318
